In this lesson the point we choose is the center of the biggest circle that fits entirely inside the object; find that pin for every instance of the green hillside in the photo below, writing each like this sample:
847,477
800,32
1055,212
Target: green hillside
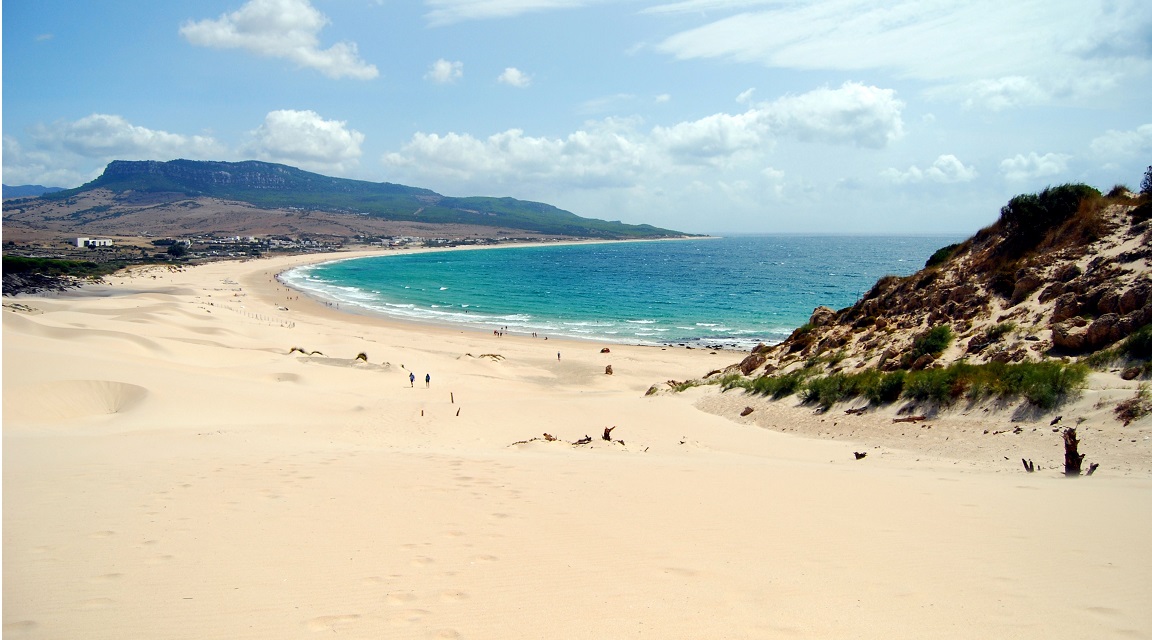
269,185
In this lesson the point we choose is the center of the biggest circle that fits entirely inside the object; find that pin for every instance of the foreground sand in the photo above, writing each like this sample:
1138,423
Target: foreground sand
171,471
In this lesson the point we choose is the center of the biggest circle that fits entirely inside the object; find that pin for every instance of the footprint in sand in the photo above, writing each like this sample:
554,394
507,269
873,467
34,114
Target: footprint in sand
102,534
446,634
402,597
97,603
409,616
371,581
19,626
331,623
422,560
453,595
107,577
485,558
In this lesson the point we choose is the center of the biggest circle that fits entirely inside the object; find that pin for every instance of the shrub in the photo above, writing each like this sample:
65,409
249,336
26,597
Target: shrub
1138,345
933,341
827,390
780,386
941,255
1027,218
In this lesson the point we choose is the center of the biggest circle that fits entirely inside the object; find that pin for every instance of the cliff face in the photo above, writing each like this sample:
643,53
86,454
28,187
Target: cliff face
1066,285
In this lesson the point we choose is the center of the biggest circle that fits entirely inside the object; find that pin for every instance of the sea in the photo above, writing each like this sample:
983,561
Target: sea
730,292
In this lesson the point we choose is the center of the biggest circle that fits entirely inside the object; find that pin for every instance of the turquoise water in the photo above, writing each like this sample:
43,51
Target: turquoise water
730,292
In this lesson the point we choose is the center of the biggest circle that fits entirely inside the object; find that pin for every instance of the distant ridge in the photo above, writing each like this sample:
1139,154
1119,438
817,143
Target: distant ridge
271,186
28,190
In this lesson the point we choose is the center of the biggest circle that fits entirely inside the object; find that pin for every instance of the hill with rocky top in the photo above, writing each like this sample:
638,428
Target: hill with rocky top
254,198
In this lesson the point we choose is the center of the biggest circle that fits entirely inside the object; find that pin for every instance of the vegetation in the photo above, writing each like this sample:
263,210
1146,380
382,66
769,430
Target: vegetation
53,267
941,255
1028,218
270,185
1042,384
932,342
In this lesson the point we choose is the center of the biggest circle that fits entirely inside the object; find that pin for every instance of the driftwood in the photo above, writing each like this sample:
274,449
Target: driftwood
607,434
608,370
1028,466
859,454
910,419
1073,459
746,411
585,440
550,438
855,412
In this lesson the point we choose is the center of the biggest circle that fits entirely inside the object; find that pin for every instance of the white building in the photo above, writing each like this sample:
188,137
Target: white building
93,242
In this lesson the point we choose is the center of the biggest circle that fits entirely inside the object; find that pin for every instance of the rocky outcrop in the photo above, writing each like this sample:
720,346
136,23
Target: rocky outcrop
1081,287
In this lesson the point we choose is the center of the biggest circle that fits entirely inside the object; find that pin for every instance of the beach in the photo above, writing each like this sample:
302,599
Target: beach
201,453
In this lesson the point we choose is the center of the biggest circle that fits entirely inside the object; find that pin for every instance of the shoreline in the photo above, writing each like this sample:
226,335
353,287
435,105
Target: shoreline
172,470
318,297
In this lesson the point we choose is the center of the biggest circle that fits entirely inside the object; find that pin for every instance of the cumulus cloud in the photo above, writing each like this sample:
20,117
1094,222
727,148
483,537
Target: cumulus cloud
68,153
305,139
443,72
514,77
1123,144
862,115
946,169
1032,166
616,152
285,29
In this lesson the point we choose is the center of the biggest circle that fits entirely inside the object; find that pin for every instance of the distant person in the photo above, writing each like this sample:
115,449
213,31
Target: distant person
557,356
411,379
427,380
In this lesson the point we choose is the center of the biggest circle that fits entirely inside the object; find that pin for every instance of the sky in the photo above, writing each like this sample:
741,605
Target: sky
704,116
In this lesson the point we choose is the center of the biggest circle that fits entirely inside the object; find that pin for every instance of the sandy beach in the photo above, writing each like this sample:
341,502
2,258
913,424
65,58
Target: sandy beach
172,468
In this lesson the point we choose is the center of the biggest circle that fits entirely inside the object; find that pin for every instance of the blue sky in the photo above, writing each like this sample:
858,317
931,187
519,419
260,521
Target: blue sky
712,116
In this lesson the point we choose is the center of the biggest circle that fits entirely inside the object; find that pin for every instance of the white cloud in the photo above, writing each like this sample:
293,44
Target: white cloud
515,78
450,11
615,152
69,153
865,116
663,98
444,72
745,96
1042,49
1032,166
304,139
280,29
1123,144
946,169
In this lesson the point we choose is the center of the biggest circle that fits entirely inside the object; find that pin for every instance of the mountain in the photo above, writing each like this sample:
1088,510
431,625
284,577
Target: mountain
28,190
275,186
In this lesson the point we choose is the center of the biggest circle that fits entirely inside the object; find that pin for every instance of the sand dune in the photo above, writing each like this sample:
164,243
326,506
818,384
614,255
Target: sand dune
172,470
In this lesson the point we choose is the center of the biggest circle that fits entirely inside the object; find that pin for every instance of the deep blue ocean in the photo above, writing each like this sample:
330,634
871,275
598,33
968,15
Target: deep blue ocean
731,292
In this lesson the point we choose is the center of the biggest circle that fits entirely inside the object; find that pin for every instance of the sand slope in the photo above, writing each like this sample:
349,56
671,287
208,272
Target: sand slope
171,471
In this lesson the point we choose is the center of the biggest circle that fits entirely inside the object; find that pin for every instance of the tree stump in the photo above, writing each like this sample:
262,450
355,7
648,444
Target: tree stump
1073,459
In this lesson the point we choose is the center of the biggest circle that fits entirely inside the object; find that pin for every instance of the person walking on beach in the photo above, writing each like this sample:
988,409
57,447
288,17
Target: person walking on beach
557,356
427,380
411,379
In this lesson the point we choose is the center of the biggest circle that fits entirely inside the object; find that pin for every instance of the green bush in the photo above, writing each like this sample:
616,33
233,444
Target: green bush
1027,218
933,341
780,386
941,255
1138,345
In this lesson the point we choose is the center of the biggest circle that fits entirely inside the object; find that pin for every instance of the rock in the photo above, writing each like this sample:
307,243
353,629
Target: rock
978,343
1131,373
746,411
1103,331
1109,302
605,350
1069,334
1066,306
922,362
1028,282
1067,272
881,323
1053,290
1133,299
751,363
821,316
608,370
